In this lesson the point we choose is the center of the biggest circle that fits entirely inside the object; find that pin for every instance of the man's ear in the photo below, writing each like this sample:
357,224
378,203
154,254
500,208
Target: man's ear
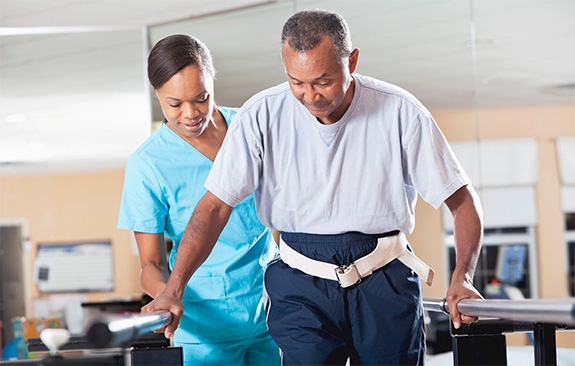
353,57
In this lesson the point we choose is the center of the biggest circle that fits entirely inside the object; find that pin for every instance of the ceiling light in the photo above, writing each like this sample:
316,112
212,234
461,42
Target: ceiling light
15,118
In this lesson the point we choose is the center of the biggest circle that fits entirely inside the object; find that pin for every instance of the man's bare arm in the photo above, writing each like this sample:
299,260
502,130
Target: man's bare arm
468,230
202,232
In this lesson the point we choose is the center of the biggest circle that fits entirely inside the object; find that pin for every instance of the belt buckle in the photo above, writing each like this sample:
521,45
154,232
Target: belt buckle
347,275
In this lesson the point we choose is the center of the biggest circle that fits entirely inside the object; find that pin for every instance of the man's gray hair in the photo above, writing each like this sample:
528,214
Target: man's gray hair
305,30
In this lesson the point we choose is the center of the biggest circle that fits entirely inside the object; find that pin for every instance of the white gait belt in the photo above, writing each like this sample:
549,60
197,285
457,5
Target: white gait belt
388,248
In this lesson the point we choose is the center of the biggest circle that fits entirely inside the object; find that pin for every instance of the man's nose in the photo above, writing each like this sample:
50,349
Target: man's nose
310,96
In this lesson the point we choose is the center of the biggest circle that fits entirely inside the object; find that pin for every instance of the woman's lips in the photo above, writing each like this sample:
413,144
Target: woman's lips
193,126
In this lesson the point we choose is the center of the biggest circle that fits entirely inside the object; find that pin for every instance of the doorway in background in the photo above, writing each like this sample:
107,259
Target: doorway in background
12,279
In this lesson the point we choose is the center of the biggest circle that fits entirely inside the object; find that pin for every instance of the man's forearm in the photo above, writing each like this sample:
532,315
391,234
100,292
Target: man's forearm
205,226
468,231
467,215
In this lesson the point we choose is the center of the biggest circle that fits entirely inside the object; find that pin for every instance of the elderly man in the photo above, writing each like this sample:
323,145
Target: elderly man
336,160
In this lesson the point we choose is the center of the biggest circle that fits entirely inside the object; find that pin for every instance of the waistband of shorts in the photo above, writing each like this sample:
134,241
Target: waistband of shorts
348,238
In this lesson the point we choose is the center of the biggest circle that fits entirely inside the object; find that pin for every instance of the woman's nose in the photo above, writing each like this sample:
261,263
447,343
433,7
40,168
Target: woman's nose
189,111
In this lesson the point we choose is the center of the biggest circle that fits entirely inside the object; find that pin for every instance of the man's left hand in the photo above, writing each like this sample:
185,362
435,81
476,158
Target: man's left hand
458,290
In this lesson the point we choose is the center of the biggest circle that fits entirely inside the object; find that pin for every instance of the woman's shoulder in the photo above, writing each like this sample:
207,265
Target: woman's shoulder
153,140
228,113
160,143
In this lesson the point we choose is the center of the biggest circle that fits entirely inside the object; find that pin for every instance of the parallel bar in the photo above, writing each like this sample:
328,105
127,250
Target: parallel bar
437,305
119,330
532,310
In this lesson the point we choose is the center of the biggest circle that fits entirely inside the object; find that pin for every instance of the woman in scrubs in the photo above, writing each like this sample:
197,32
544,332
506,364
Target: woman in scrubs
163,183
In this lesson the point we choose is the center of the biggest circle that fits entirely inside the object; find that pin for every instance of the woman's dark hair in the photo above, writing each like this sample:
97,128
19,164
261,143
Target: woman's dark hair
305,30
173,53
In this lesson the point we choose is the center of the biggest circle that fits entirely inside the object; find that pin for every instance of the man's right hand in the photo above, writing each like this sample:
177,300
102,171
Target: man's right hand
170,303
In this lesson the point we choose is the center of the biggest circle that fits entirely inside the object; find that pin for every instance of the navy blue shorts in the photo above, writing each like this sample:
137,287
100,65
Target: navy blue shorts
314,321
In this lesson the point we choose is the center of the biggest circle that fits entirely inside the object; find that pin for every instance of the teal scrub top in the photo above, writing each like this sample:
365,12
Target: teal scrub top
163,183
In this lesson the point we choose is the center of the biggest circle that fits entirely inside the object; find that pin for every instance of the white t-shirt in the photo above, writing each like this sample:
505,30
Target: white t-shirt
361,174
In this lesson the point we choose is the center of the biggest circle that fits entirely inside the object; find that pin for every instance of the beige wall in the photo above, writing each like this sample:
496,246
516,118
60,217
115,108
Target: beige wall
77,207
74,208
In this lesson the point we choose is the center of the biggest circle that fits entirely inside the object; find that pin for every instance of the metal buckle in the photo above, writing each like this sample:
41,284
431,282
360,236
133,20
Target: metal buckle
347,275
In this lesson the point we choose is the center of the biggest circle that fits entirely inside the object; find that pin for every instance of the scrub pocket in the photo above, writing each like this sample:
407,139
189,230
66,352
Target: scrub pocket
206,309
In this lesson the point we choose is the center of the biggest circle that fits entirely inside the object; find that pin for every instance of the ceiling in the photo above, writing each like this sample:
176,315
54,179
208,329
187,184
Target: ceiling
60,58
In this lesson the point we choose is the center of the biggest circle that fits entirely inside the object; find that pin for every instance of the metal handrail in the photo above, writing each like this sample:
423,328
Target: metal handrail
556,311
116,331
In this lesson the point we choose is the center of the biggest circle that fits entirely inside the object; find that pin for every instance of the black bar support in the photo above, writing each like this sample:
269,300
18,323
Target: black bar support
545,344
481,343
479,350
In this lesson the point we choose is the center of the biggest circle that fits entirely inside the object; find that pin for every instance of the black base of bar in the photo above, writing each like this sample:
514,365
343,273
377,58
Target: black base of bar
483,342
479,350
171,356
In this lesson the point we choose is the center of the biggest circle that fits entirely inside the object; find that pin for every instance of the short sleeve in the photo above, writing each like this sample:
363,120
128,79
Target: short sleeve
432,167
237,167
143,207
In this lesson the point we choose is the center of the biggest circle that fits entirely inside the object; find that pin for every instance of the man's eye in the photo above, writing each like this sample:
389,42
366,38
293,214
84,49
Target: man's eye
175,105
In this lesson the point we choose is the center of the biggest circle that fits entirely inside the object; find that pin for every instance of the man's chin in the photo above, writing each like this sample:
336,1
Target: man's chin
318,113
